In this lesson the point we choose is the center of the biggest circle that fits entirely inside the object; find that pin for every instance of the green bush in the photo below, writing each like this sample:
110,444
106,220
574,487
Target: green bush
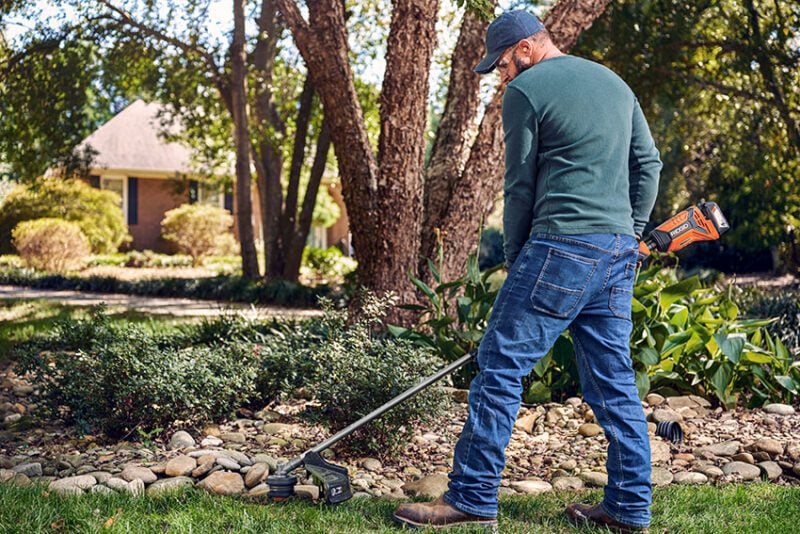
327,264
784,306
116,378
198,230
687,338
148,258
11,261
51,245
357,371
96,212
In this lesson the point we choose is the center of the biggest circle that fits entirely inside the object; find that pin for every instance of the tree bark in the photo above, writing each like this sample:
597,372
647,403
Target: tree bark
386,258
267,155
482,179
289,217
451,147
294,253
384,195
241,135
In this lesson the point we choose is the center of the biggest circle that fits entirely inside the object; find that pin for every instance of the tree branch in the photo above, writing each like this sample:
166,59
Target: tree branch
127,18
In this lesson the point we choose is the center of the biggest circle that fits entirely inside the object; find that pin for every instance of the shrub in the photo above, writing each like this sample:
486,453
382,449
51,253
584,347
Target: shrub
455,315
784,306
51,244
327,264
691,339
117,378
96,212
196,230
11,261
148,258
686,338
357,371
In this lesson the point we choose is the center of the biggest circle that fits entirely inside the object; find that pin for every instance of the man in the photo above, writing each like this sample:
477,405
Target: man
581,177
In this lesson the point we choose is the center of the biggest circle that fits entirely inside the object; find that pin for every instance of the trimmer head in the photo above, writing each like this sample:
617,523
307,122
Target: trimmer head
281,487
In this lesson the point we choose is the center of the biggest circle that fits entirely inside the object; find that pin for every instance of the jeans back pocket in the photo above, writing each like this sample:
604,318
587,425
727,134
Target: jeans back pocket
561,282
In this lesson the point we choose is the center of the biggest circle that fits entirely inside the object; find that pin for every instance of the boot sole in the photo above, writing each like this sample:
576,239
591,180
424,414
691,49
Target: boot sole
489,524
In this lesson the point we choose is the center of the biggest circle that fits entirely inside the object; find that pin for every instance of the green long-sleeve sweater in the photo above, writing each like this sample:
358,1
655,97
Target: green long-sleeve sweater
579,155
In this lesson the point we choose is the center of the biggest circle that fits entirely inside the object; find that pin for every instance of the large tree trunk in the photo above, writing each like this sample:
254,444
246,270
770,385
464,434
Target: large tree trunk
384,195
451,146
386,258
267,155
244,213
476,188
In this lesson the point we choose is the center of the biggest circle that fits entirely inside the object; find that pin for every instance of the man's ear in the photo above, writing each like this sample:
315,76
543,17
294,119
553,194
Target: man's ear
525,46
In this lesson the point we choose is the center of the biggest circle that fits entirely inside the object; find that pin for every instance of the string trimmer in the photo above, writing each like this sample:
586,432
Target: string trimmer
704,222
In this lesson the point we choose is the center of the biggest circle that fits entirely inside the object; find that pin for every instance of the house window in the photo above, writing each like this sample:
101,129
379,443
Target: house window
117,185
210,195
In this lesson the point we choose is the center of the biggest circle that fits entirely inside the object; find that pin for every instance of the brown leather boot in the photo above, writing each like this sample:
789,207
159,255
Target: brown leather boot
585,513
438,514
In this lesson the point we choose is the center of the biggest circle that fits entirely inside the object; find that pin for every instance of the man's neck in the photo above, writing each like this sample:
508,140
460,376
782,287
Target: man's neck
547,52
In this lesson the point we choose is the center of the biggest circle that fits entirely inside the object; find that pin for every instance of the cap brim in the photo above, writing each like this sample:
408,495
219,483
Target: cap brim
487,64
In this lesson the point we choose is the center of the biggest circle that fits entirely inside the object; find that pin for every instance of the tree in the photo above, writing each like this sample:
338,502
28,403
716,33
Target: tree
204,81
720,84
393,205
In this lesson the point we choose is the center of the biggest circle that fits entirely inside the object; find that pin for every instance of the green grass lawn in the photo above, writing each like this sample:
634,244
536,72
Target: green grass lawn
22,319
756,508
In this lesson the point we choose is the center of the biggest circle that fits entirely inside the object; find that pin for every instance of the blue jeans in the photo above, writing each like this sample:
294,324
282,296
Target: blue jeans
580,282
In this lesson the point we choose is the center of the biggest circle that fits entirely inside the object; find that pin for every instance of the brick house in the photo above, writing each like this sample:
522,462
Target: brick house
153,175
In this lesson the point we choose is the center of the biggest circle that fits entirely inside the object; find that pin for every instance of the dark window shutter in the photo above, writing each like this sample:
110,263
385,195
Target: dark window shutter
133,200
229,201
193,192
94,181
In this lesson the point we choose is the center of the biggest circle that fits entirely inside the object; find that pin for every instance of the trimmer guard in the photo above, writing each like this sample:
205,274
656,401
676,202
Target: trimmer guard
332,479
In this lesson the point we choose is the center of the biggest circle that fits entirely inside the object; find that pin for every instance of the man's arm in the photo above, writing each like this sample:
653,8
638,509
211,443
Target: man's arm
521,138
644,165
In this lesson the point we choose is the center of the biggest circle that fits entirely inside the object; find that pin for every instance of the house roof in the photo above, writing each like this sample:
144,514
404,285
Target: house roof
133,139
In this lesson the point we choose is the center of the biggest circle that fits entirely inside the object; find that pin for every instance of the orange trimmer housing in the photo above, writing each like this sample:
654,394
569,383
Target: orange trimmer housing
704,222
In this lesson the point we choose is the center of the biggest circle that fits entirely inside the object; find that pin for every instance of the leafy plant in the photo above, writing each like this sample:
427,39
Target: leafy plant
52,245
689,338
197,230
123,379
356,371
327,264
783,305
454,317
96,212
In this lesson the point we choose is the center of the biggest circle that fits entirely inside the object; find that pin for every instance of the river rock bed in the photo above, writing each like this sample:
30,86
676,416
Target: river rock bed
554,447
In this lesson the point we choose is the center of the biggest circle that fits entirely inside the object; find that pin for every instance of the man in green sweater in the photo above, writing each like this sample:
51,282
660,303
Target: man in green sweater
581,177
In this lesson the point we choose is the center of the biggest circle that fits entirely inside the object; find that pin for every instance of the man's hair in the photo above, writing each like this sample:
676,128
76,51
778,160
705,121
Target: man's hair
542,36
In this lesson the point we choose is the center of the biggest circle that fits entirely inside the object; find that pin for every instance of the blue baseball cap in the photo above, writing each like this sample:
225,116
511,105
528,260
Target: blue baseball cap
504,31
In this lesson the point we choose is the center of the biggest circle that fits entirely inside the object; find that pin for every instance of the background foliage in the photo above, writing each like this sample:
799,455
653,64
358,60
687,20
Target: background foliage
720,84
